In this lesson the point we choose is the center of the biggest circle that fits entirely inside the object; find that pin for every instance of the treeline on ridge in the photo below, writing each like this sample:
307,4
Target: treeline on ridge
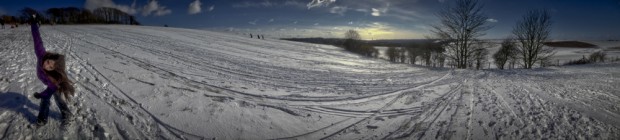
72,15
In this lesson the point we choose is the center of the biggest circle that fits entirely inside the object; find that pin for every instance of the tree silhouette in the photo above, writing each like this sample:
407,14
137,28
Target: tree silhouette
506,53
461,25
531,32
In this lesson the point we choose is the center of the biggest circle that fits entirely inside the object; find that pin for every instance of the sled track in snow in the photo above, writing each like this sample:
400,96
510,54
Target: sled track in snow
166,126
435,111
201,86
381,112
247,74
296,100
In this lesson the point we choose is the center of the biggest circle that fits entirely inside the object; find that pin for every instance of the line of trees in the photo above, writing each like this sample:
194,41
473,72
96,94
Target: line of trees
430,53
73,15
464,22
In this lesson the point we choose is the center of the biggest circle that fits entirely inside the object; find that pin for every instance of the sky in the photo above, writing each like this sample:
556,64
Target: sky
373,19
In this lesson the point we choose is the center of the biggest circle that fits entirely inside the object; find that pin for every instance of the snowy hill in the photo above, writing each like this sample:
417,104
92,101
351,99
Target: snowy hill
138,82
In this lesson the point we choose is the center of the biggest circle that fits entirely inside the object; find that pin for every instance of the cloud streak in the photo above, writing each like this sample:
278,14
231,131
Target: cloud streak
319,3
253,22
267,4
338,10
211,8
247,4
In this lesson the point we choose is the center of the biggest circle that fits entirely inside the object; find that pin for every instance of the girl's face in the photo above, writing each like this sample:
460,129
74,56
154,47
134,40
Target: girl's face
49,65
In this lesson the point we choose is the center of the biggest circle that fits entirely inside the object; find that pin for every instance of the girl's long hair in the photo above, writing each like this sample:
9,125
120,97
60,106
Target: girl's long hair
59,74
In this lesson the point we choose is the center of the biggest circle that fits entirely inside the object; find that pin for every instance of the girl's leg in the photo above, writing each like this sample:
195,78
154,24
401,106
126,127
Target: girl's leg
61,102
44,109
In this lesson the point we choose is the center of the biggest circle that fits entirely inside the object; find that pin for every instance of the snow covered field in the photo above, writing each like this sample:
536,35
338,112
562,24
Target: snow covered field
140,82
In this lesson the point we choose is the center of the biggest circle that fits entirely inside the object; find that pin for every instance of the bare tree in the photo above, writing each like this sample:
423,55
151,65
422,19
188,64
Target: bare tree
598,56
392,54
437,54
460,25
27,13
402,55
480,56
431,53
352,34
413,52
531,32
352,41
506,53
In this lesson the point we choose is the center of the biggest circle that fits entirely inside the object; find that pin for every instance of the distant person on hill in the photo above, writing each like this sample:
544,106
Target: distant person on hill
2,23
51,70
251,36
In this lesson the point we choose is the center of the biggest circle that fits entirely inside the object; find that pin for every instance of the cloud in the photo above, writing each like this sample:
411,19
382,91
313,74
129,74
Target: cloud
253,22
271,20
211,8
376,12
247,4
404,14
492,20
194,7
406,10
362,10
294,3
379,11
94,4
338,10
319,3
154,8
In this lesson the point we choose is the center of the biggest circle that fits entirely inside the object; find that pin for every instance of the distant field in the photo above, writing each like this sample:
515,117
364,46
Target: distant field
614,48
570,44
